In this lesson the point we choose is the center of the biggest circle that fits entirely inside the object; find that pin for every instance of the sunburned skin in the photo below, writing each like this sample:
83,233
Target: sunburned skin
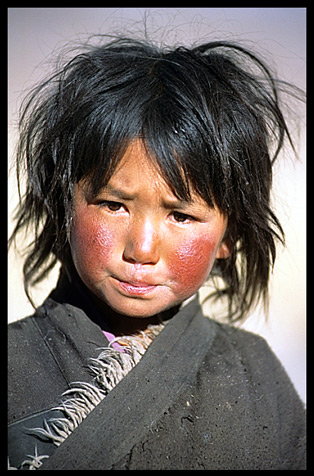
137,247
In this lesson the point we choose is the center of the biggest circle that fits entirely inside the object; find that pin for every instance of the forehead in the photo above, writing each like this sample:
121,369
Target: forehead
138,173
138,170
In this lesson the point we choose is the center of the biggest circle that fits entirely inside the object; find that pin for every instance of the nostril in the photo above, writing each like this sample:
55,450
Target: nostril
142,245
139,256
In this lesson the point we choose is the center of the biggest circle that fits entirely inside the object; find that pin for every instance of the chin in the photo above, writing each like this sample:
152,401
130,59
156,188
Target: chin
139,308
137,311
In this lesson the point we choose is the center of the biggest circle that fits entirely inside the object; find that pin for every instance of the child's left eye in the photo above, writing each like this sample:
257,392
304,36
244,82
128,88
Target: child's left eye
182,217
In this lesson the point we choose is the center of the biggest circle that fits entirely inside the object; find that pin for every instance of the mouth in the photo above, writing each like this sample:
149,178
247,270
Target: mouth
135,288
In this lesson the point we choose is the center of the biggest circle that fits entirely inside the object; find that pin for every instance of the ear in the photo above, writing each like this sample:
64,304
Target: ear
223,251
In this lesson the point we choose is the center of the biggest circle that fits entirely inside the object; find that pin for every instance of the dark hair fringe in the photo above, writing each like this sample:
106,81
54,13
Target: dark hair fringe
210,118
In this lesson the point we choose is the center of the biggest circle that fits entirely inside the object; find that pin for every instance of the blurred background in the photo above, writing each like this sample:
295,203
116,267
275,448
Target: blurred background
278,35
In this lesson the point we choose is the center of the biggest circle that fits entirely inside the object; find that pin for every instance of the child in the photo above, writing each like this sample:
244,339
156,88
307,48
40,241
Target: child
148,172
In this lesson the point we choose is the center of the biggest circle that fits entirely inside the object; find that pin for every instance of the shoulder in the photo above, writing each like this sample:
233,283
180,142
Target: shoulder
46,352
243,345
33,374
243,362
242,374
250,355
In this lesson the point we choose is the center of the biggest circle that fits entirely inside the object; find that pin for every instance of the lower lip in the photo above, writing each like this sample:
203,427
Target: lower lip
134,290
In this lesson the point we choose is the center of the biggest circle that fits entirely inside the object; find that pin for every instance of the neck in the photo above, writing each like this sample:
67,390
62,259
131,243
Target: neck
72,290
126,325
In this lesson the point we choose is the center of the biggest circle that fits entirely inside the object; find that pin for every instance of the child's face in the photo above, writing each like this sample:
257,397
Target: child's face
136,246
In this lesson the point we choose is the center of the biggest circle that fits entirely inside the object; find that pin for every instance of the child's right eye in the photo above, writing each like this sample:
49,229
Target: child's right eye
112,206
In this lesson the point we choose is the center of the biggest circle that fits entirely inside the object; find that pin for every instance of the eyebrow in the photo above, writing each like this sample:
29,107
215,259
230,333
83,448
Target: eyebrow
168,203
118,193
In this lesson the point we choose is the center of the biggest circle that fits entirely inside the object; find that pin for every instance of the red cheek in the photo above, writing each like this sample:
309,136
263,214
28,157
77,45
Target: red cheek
192,262
91,242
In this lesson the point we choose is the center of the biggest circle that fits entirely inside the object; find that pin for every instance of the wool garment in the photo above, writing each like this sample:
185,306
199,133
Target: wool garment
204,395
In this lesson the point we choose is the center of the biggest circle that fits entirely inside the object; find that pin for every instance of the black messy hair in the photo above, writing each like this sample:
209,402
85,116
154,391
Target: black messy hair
209,117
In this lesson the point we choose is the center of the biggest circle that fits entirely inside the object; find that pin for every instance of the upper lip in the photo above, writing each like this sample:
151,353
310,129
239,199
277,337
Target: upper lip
136,283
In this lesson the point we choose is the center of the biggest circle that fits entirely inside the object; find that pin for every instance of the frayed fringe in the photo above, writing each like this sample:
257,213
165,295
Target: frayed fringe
33,463
108,370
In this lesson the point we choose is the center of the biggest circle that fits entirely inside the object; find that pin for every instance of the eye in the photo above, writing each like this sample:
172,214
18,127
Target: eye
112,206
182,217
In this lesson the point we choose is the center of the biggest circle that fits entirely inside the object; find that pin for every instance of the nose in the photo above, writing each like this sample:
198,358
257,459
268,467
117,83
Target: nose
142,245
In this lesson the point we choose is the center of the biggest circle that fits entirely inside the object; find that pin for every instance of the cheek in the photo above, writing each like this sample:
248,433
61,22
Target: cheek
91,244
192,262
